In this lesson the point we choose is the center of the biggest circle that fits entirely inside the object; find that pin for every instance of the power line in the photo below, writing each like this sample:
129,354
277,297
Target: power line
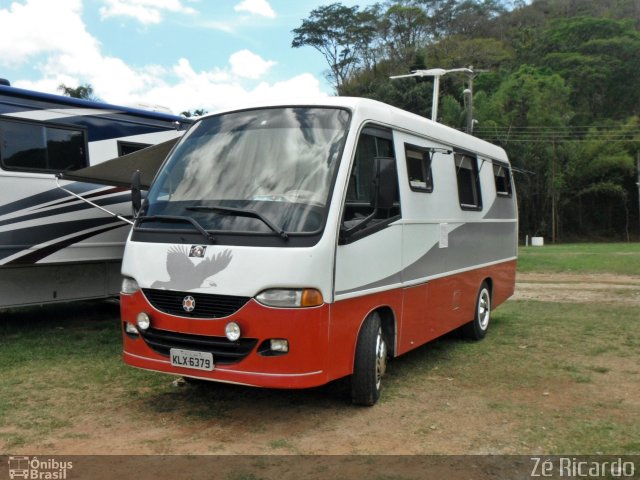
583,133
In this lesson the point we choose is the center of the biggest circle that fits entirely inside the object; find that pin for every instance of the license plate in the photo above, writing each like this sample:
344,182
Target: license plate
191,359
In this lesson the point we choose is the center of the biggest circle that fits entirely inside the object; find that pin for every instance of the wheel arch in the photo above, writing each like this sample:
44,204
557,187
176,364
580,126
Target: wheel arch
489,282
388,319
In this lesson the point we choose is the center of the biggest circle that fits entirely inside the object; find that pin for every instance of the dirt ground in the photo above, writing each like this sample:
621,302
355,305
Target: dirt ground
579,288
439,416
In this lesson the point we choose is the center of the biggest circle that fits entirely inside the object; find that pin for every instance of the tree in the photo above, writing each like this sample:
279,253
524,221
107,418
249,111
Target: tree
526,111
560,96
403,29
341,34
483,53
597,57
198,112
597,200
84,91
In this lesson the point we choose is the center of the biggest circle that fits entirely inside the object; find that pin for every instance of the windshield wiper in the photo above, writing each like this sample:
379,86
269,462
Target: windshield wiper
174,218
241,212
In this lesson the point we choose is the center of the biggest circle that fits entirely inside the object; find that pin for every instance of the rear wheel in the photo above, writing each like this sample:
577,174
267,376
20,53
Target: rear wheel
477,328
370,362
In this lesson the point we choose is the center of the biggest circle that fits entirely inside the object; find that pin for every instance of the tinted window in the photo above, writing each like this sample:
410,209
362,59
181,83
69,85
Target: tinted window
373,142
36,147
468,182
419,168
502,177
125,148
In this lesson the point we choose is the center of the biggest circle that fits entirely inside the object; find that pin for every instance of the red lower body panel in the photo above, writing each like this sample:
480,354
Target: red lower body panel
322,340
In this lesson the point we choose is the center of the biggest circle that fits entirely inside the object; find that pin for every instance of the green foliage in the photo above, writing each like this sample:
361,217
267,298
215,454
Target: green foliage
84,91
453,52
451,112
341,34
596,56
198,112
402,30
531,96
556,87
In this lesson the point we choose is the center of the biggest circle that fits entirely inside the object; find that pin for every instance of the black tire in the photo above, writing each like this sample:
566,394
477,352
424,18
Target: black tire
478,327
370,362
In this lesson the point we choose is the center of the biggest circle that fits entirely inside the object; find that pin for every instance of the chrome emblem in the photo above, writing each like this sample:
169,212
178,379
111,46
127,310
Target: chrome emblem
197,251
188,303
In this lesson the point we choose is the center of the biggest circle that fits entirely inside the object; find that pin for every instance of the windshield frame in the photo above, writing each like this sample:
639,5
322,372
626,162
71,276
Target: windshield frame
144,231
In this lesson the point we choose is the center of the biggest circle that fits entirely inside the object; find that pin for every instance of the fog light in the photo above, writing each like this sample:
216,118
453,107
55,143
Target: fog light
130,328
143,321
279,345
232,331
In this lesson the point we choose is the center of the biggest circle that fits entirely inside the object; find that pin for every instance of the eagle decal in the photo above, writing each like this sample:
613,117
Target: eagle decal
186,275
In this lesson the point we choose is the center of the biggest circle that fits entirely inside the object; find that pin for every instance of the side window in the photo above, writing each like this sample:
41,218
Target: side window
502,176
40,148
468,182
125,148
360,213
419,168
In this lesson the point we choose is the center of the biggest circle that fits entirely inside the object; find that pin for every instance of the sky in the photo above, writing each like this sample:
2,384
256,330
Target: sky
180,54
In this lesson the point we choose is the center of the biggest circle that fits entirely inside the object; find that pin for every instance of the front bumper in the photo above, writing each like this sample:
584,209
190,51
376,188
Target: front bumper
243,362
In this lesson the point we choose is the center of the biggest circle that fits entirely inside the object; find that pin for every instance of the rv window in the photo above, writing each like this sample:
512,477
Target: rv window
373,143
40,148
125,148
419,168
468,182
503,179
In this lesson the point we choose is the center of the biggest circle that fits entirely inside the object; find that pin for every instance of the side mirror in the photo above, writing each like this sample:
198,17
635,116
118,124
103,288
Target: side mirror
136,193
384,185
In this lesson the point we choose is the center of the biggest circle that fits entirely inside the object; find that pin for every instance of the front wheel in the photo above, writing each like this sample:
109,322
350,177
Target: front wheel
370,362
477,328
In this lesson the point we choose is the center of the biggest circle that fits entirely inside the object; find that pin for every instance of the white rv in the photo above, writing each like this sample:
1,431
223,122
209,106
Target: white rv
54,247
290,245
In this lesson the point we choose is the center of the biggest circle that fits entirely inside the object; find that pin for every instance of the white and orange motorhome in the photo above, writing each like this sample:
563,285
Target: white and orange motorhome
288,245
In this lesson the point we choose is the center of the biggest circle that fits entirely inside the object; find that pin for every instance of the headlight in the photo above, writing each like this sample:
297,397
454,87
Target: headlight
143,320
129,286
287,298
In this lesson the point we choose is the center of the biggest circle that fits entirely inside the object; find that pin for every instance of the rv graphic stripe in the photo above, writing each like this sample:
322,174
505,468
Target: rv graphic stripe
92,195
50,212
49,196
39,254
13,242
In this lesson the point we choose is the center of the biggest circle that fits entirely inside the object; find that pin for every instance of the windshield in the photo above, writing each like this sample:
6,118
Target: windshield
264,171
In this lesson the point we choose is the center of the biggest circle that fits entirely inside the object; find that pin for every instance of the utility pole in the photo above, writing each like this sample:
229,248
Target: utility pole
468,92
638,183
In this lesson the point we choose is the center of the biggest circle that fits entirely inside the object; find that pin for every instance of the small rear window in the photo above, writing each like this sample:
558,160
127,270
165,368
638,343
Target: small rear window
468,182
502,176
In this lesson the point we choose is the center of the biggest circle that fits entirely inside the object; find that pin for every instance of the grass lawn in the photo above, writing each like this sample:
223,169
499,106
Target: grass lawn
615,258
552,378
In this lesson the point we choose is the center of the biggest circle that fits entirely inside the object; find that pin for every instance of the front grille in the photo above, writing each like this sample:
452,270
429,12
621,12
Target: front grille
206,305
224,351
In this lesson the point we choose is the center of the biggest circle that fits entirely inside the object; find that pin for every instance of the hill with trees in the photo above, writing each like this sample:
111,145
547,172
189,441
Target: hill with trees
556,84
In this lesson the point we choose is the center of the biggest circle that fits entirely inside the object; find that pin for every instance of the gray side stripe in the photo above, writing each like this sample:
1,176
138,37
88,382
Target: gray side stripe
470,244
503,207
